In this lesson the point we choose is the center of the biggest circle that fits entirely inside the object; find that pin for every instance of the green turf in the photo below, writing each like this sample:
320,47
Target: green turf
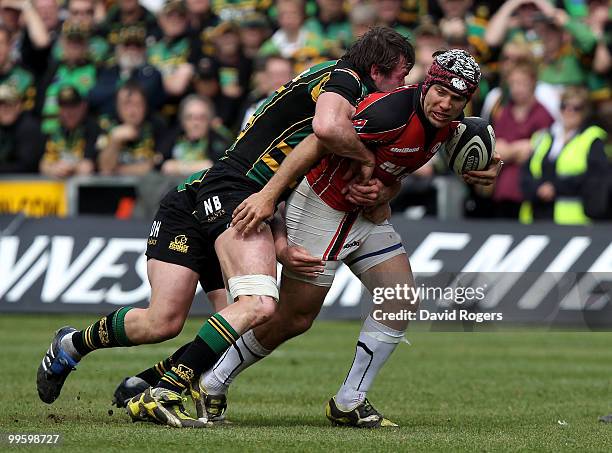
448,391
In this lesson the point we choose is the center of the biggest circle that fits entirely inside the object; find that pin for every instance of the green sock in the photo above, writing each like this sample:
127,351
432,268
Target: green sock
213,339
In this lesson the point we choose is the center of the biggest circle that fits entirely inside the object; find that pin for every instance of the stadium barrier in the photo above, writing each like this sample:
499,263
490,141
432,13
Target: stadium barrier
39,196
538,274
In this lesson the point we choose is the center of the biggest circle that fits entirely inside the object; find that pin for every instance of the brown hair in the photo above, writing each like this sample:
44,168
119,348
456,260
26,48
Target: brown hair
380,46
525,65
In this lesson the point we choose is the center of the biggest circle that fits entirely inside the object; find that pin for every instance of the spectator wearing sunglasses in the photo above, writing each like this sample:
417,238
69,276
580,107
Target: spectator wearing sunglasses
565,180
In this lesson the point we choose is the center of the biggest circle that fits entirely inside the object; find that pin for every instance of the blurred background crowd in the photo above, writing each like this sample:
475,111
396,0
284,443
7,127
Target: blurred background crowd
160,88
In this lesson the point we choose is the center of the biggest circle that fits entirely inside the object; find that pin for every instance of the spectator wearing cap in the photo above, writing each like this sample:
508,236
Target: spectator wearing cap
130,65
171,55
129,13
254,30
13,73
201,18
206,78
235,70
566,178
75,69
331,23
413,11
237,10
82,12
21,143
194,145
292,36
71,149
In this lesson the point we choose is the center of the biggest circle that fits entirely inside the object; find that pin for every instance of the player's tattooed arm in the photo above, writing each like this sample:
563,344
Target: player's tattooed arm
332,124
250,214
296,259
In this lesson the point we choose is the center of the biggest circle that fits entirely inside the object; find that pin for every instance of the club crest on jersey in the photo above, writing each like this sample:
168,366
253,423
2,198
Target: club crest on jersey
458,83
434,150
179,244
359,124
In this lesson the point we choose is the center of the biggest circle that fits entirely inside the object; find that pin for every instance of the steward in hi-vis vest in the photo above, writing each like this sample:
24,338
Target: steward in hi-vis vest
577,172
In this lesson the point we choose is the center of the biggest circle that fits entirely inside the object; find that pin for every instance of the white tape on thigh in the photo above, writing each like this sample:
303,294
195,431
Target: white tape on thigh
253,285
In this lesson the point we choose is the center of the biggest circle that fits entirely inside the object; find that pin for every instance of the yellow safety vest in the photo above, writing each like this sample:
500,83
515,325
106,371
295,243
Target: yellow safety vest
572,161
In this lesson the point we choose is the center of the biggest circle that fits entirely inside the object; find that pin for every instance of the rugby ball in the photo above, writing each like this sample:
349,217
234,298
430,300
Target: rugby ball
471,146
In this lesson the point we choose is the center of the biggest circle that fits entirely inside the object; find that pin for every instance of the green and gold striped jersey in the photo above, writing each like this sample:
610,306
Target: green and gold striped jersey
285,118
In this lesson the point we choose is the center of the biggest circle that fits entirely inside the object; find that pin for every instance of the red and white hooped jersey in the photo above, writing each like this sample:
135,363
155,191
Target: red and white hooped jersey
394,127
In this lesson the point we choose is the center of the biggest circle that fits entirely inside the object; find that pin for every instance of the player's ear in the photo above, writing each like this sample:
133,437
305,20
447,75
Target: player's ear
374,72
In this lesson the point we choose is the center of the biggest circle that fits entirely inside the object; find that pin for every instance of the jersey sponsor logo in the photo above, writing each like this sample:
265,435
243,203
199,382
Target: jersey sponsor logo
391,168
405,150
212,209
179,244
154,233
351,245
434,150
211,205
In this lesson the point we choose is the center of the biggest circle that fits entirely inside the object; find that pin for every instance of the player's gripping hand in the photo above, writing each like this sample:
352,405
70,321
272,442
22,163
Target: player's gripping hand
298,260
364,194
252,212
372,193
485,177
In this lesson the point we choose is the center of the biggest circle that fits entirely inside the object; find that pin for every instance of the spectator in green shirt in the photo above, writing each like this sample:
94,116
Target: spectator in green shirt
128,144
193,146
171,55
75,69
331,23
292,36
82,12
71,149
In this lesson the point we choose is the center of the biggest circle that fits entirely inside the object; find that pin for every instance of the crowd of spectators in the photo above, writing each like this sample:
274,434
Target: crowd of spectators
122,87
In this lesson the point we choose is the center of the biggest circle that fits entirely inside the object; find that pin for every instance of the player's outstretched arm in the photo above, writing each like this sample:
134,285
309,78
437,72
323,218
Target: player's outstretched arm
332,124
249,215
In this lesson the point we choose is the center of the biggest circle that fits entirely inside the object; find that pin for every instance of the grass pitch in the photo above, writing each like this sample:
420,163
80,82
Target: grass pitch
528,390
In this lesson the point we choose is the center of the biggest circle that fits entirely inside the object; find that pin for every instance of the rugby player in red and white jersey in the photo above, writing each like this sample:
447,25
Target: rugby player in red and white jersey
404,128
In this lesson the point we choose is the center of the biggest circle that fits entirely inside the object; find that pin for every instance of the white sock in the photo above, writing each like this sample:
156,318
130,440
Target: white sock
375,345
68,346
236,359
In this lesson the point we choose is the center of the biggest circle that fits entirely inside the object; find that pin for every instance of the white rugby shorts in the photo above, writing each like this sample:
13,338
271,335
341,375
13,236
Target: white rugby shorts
336,236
